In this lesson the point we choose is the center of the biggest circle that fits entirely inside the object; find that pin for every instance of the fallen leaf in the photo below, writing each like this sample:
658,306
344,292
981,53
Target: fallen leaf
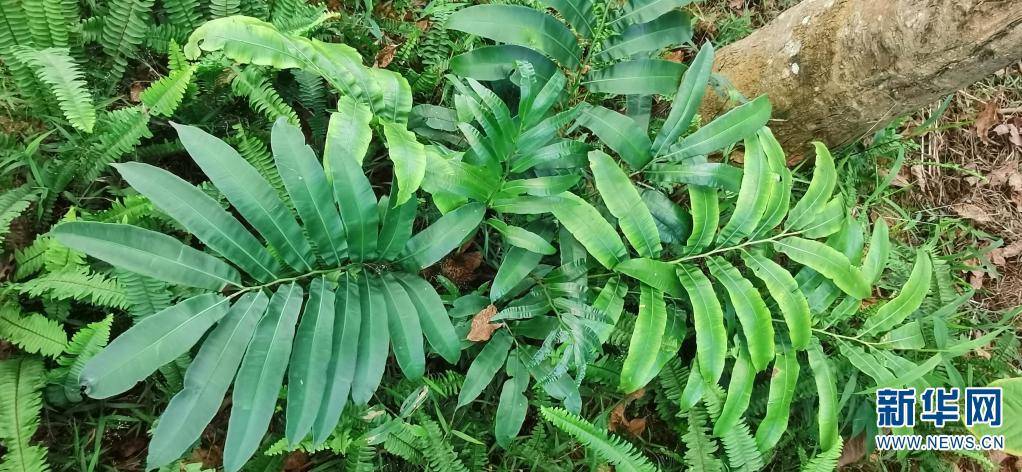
736,4
619,421
676,55
986,119
461,268
135,94
853,450
385,56
482,329
972,212
976,275
297,460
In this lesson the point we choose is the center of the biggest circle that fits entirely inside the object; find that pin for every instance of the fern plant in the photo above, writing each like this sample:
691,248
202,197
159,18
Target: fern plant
21,381
357,264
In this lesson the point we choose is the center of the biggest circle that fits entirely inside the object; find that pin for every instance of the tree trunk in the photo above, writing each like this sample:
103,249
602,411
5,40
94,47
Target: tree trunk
836,70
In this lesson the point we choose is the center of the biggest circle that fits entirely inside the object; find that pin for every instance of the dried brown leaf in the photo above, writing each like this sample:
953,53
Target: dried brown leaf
482,329
986,119
385,56
853,450
972,212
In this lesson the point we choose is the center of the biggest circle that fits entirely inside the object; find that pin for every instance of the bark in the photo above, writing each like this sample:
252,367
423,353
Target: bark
836,70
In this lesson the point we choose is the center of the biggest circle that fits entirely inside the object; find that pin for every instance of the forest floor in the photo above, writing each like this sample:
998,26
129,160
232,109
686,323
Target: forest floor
963,173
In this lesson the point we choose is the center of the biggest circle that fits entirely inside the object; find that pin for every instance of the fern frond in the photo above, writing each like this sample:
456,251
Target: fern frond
165,95
739,444
33,333
120,132
87,342
124,29
222,8
359,457
251,84
49,21
403,442
56,68
77,285
131,209
144,295
825,461
59,258
437,450
701,449
295,16
610,448
14,29
29,260
20,404
186,14
13,203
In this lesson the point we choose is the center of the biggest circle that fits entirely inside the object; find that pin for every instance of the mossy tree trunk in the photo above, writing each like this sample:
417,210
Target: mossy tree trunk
836,70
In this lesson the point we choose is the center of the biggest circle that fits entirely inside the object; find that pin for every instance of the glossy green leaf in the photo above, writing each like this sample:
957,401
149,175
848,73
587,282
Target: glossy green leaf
827,261
826,387
636,77
522,238
879,252
261,376
821,187
784,290
737,124
203,217
753,197
512,405
780,200
647,336
352,190
307,373
624,202
673,223
392,95
310,191
637,11
396,226
751,310
250,194
657,274
430,245
206,382
906,302
540,186
907,336
520,25
705,207
708,318
146,252
739,392
672,28
153,342
686,100
409,157
783,382
578,13
828,220
498,62
484,367
433,317
610,302
704,174
590,228
341,369
516,264
404,328
619,133
373,342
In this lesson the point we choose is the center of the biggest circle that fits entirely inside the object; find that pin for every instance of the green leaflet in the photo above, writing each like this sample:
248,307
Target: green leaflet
910,372
497,62
867,363
906,302
650,325
341,368
513,405
589,227
206,382
250,194
522,238
739,123
539,186
307,371
821,187
623,201
673,223
827,261
879,252
708,317
394,98
404,328
433,317
153,342
780,200
686,100
201,216
310,192
397,224
352,190
637,11
828,220
706,174
348,133
1012,392
409,157
657,274
751,310
516,264
784,290
261,376
373,342
753,197
430,245
613,449
578,13
148,253
907,336
705,216
611,302
618,132
826,386
674,27
636,77
523,26
782,390
739,391
484,367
